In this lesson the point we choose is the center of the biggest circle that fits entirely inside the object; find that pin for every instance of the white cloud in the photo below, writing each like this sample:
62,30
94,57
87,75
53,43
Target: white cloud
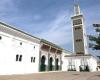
59,30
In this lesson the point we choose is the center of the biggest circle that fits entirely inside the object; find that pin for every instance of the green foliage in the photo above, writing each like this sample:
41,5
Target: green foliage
96,40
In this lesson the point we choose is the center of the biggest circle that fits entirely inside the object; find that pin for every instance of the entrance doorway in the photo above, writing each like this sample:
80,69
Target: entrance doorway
43,66
56,64
51,65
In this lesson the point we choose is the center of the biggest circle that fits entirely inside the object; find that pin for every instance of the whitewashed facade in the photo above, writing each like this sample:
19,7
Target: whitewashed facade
22,53
65,60
79,63
17,50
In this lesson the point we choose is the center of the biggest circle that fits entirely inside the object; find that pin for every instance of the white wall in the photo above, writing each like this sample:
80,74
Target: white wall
10,47
90,60
65,61
92,64
77,64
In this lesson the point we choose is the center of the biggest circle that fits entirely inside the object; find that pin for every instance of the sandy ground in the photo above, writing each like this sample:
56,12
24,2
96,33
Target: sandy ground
54,76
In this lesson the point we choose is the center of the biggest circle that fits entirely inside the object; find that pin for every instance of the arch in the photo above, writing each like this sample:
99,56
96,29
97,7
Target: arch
56,64
50,64
42,65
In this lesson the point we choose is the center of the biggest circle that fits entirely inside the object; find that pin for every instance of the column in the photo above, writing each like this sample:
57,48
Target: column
39,60
48,56
60,62
55,61
40,52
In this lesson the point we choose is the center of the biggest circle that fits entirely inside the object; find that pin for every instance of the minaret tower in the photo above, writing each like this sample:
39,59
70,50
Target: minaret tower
79,34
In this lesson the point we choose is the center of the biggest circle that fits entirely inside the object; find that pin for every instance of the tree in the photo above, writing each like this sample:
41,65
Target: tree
95,40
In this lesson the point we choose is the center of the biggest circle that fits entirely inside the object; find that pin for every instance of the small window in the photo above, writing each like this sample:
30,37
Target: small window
77,28
20,43
77,22
17,56
20,58
32,59
78,40
0,37
34,47
79,53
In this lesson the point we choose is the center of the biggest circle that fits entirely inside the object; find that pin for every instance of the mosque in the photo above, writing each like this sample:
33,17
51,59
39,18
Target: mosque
22,53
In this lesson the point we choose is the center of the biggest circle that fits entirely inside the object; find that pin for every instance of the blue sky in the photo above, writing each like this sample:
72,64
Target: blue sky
49,19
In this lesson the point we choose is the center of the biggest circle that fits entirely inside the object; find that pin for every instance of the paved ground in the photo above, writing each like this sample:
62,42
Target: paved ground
55,76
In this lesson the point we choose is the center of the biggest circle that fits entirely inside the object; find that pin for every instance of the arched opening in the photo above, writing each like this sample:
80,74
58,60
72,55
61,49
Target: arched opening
56,64
51,65
43,66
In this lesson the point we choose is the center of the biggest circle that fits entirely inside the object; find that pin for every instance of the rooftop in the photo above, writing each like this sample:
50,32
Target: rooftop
41,40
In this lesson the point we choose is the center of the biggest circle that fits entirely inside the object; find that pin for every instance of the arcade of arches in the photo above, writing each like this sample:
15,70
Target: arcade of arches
50,58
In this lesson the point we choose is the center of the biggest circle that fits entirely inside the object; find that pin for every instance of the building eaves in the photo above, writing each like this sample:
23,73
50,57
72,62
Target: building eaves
12,27
41,40
64,50
50,43
77,55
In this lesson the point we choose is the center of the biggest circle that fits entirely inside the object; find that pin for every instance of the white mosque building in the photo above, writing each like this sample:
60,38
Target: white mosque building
22,53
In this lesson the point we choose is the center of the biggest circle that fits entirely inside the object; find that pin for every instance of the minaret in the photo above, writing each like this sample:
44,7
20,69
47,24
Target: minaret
79,34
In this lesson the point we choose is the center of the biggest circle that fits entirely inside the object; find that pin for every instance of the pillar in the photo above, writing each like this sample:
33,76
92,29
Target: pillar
60,62
48,56
55,61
